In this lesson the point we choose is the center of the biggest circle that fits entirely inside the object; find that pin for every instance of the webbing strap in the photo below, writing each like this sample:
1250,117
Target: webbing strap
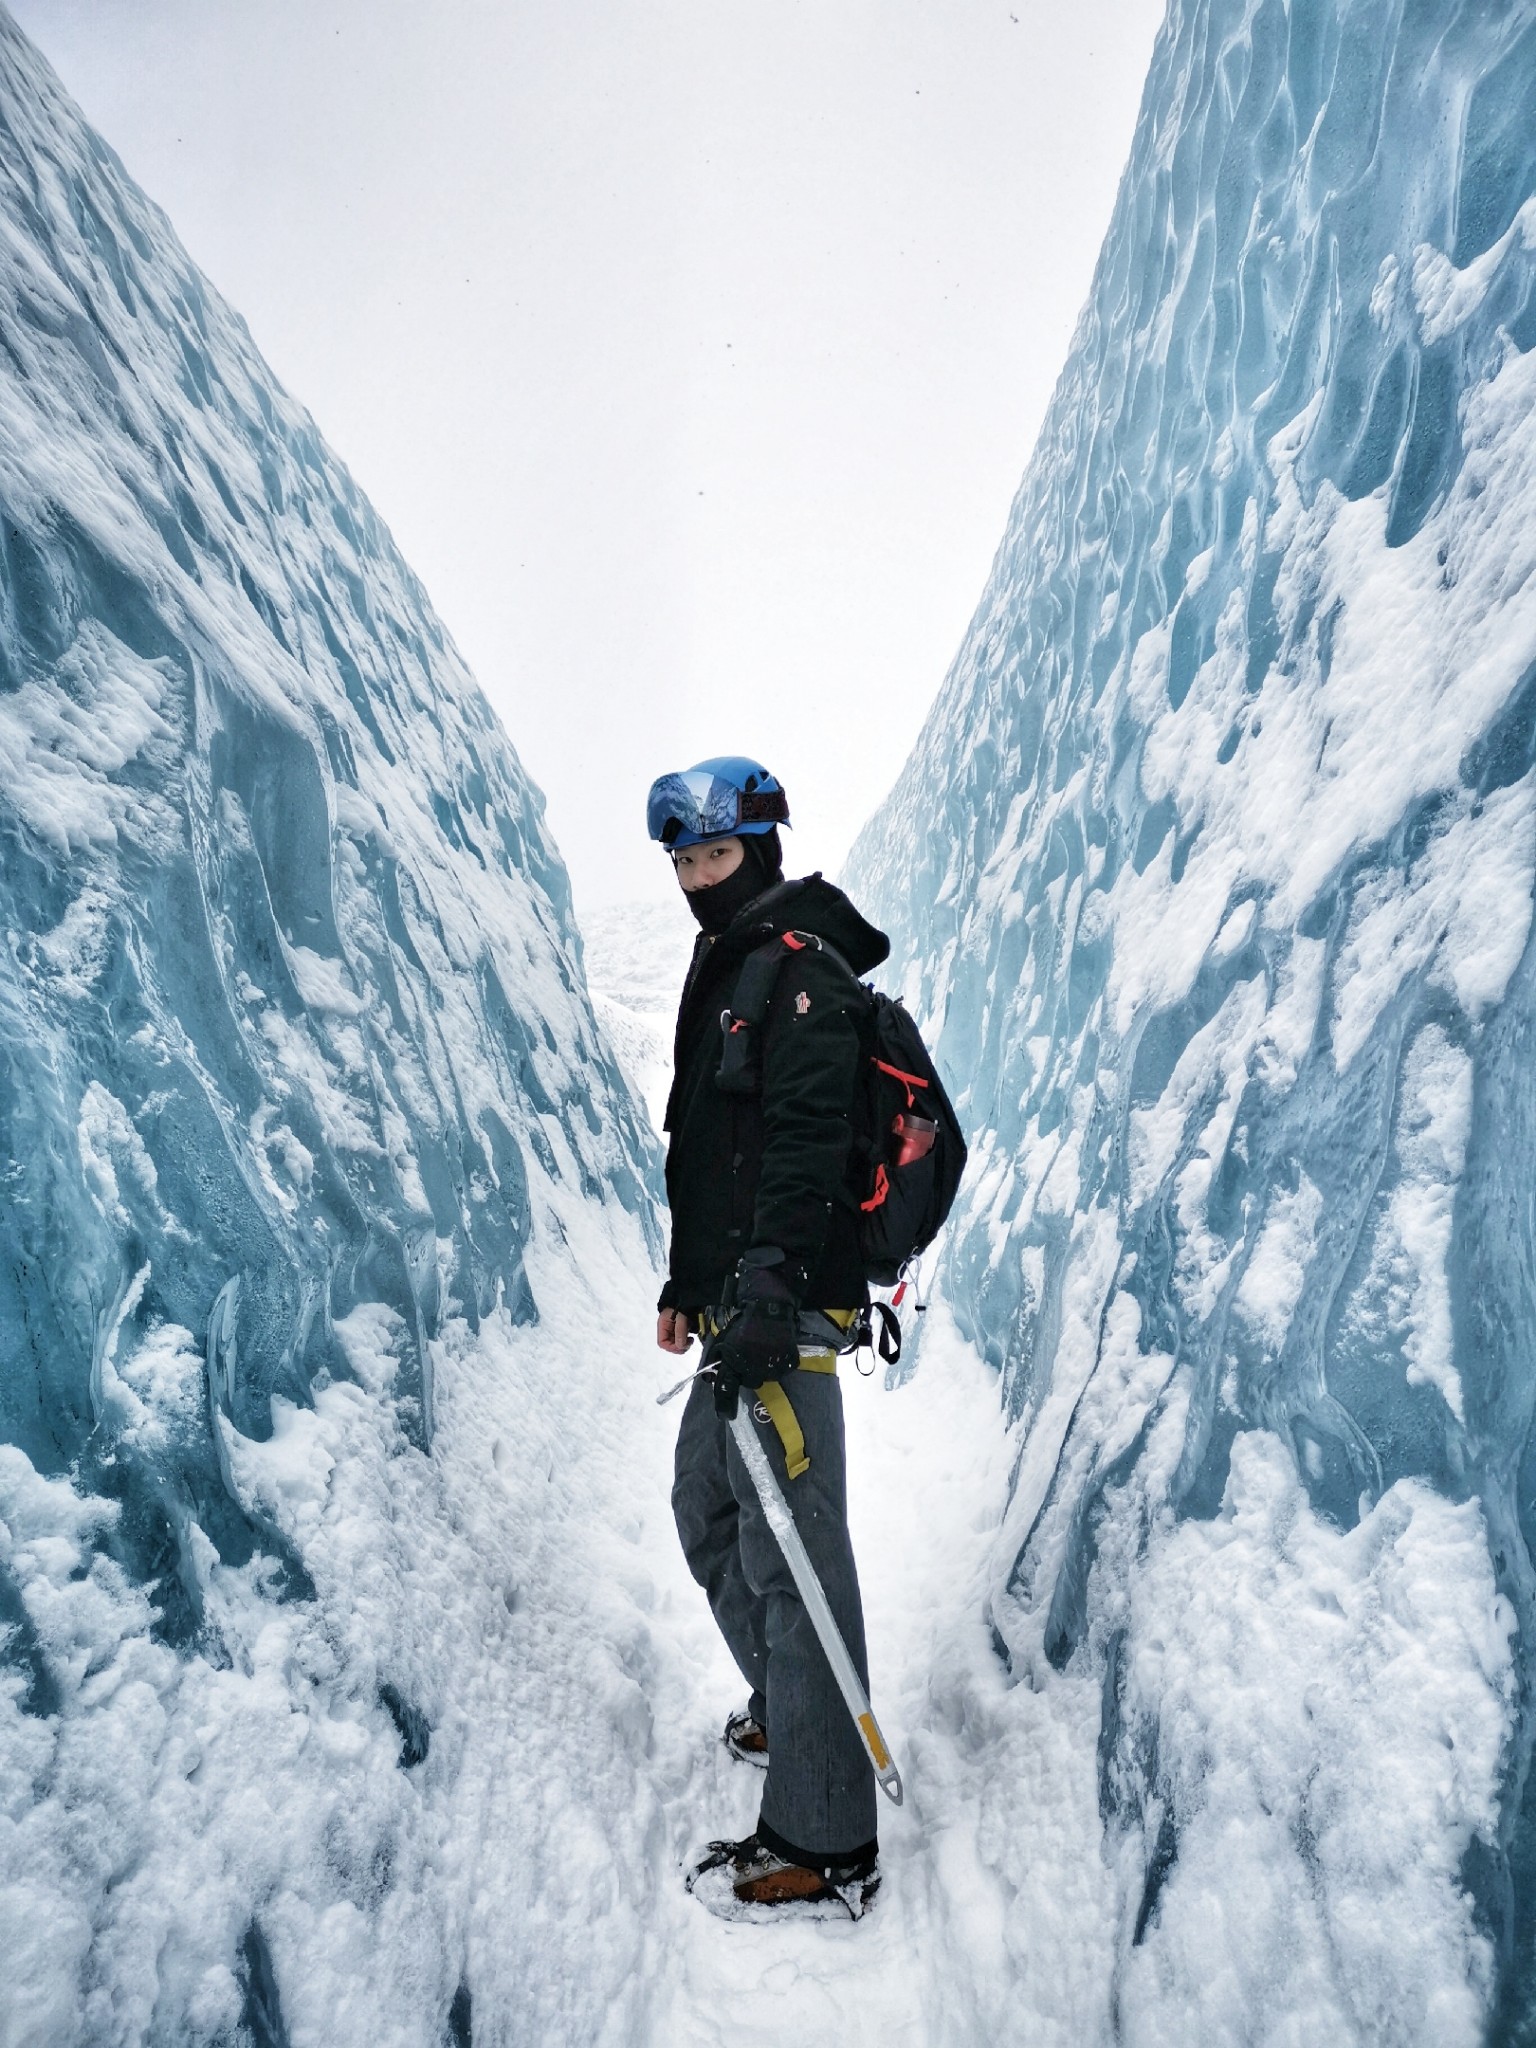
704,1322
754,986
773,1397
775,1401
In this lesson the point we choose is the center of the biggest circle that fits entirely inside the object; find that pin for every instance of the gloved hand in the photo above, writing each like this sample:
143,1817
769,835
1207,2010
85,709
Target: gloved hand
761,1341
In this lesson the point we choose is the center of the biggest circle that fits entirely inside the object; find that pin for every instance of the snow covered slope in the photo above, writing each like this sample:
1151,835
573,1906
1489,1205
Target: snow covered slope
1214,861
637,958
315,1171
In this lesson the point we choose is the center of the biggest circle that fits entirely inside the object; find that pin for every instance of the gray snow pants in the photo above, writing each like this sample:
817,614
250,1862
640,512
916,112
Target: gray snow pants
819,1798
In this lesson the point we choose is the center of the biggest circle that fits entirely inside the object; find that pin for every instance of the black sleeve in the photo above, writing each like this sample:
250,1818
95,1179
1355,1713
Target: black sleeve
811,1055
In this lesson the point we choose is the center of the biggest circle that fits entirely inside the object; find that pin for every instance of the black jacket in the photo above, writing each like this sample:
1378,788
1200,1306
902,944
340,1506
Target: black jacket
774,1168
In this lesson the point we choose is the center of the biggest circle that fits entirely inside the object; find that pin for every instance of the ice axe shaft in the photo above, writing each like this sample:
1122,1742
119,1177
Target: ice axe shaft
782,1523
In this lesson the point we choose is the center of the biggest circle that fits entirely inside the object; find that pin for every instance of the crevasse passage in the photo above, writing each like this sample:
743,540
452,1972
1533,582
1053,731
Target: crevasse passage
1214,862
350,1687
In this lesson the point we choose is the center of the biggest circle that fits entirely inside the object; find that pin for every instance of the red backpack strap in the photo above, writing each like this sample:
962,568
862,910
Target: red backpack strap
911,1082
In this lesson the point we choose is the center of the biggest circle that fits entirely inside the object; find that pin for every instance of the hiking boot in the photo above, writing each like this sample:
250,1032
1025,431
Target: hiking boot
746,1739
747,1881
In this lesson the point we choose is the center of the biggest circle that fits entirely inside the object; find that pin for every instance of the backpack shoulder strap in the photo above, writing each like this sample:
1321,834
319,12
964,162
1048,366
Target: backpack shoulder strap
740,1064
760,970
740,1070
754,984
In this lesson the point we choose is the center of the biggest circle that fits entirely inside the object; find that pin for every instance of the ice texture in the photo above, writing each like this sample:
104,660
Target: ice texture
306,1128
1212,870
292,995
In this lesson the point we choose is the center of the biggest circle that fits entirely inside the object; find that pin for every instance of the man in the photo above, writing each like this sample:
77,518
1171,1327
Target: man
764,1255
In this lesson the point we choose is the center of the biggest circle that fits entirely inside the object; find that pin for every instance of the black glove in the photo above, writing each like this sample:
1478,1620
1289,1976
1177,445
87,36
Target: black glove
761,1341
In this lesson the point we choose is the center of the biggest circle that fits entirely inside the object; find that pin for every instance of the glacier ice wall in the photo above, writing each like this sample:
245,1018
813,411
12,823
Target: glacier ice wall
300,1094
1214,864
292,996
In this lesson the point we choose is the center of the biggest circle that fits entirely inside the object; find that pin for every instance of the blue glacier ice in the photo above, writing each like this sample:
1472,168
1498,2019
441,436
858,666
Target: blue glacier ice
292,997
1213,869
305,1129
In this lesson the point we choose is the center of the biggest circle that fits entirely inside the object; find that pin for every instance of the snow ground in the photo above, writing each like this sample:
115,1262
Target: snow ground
181,1829
1012,1909
933,1963
522,1587
936,1962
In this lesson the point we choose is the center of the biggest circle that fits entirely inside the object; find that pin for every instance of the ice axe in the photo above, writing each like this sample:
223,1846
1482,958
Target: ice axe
782,1523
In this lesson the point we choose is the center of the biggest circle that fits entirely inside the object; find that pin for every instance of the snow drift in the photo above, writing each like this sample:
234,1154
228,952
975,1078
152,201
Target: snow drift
1214,861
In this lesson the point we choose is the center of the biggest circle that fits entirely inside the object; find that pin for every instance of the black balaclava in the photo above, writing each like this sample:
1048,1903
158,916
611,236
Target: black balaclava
762,864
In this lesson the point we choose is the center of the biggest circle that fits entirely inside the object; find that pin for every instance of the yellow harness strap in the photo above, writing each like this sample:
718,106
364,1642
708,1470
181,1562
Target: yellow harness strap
775,1401
773,1397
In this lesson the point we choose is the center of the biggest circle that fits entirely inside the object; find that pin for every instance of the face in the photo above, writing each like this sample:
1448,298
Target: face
700,867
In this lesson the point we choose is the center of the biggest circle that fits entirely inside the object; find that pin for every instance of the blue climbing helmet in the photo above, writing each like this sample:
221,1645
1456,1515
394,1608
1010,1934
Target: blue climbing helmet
716,799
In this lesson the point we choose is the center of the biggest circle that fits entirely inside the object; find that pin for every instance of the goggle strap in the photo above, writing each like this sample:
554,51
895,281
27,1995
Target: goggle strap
763,807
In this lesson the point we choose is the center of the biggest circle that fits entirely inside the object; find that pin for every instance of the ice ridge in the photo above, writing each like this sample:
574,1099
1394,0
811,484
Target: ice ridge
292,1012
1213,869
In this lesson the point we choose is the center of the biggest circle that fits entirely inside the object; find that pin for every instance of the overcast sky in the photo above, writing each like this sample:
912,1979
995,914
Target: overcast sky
691,349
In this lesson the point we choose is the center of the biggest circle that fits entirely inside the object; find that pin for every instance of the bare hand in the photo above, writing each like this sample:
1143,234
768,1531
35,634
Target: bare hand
672,1332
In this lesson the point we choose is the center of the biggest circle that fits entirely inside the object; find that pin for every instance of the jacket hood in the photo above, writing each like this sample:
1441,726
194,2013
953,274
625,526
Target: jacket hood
812,904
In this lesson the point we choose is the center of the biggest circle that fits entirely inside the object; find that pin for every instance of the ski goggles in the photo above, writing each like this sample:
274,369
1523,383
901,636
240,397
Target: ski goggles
684,809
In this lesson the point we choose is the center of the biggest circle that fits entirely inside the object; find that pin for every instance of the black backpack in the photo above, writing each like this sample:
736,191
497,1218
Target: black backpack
911,1149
